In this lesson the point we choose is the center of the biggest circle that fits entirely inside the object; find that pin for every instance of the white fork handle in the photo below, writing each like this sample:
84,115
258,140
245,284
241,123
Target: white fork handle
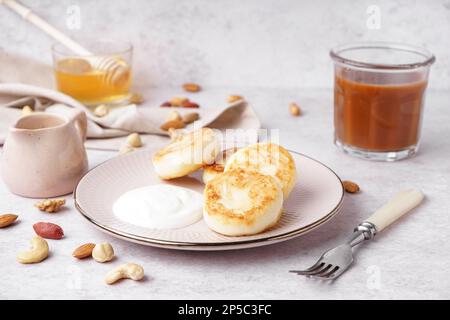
400,204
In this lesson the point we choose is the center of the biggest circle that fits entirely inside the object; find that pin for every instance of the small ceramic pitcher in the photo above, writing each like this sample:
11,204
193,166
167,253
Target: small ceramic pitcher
44,154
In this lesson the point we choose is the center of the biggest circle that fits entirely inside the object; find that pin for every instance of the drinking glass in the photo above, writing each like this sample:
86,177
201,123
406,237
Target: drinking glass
104,77
379,92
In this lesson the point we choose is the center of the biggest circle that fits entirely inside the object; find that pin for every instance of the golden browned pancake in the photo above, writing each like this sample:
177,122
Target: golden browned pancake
269,159
242,202
186,154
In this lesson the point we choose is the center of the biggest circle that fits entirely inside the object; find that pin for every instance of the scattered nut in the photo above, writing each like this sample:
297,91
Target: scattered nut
174,134
48,230
177,102
84,251
131,271
173,115
101,110
7,219
50,205
136,98
173,124
350,187
126,149
166,104
294,109
190,104
234,98
26,110
38,252
103,252
190,117
134,140
191,87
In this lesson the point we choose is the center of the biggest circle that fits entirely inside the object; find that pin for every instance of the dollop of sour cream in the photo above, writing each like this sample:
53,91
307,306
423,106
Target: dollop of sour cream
160,206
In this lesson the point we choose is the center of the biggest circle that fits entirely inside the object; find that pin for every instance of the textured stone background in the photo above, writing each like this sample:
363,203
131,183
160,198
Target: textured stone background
236,43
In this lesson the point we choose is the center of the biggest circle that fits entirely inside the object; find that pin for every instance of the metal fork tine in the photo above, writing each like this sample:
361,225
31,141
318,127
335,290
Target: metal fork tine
314,271
323,271
327,273
314,266
335,274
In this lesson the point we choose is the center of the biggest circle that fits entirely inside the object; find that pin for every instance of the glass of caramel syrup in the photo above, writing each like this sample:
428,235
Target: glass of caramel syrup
379,92
103,76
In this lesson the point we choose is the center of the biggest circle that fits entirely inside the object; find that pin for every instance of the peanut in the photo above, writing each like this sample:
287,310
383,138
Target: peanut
103,252
190,104
166,104
294,109
48,230
126,271
38,252
134,140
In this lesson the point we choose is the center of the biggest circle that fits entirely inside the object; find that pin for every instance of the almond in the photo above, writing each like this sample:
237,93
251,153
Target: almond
174,124
83,251
191,87
189,104
48,230
234,98
190,117
350,186
7,219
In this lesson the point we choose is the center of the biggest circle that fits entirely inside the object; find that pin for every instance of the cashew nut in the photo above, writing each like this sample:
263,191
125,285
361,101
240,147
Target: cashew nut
37,253
131,271
103,252
101,110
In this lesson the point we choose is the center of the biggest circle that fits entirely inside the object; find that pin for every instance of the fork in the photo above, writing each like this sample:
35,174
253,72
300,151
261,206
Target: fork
335,261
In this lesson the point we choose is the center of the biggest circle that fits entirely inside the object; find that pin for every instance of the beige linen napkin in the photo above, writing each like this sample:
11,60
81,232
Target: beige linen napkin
146,118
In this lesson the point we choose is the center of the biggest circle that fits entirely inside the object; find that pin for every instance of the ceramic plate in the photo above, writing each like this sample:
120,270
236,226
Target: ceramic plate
315,199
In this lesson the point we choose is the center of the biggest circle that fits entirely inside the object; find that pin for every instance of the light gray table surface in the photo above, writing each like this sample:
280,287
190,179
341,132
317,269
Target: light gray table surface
410,259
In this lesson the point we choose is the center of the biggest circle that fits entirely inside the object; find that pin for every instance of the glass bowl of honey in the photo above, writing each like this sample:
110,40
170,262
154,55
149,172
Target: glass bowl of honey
379,94
101,77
